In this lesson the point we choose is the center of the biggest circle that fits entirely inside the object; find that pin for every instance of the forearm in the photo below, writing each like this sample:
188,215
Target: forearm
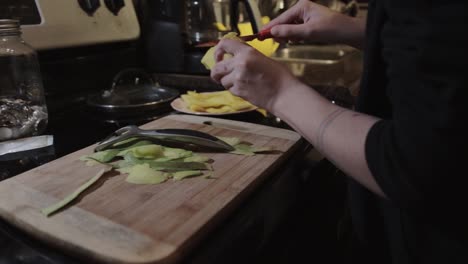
339,134
351,31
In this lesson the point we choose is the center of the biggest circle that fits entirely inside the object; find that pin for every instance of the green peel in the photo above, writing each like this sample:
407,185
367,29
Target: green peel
143,174
148,163
230,140
248,150
101,156
179,175
65,201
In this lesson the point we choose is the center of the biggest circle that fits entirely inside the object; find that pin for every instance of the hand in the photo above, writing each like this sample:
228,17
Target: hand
310,21
249,74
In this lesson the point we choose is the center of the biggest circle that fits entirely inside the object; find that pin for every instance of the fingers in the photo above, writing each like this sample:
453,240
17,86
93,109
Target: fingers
221,69
227,81
225,75
289,16
228,46
225,66
290,31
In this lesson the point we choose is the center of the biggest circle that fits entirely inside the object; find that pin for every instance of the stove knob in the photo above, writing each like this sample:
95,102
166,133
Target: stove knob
114,5
89,6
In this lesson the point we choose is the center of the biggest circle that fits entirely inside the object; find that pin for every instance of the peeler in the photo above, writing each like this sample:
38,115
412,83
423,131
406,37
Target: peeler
181,138
262,35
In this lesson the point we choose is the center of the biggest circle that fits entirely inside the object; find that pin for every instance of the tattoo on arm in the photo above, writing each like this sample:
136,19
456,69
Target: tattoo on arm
324,125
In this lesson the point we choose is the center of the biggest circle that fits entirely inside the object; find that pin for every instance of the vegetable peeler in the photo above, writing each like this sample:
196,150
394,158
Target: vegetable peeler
262,35
181,138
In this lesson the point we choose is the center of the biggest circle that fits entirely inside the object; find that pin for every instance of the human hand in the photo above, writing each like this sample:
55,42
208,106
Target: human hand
307,20
249,74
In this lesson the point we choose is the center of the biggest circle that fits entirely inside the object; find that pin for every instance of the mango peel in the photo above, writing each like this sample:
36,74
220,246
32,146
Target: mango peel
151,166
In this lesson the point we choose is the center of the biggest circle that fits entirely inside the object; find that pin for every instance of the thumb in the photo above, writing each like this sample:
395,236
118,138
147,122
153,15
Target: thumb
291,31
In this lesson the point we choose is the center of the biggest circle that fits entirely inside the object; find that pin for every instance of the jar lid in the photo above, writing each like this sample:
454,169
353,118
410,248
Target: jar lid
9,26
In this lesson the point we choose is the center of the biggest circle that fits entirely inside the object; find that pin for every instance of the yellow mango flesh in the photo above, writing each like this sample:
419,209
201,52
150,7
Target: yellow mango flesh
208,59
266,47
216,102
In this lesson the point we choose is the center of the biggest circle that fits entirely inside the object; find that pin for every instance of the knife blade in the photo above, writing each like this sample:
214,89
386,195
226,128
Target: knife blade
262,35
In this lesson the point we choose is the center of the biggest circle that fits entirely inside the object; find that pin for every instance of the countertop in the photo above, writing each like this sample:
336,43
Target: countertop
300,200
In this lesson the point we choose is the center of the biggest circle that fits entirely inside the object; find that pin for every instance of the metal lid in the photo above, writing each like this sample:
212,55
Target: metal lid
132,89
10,26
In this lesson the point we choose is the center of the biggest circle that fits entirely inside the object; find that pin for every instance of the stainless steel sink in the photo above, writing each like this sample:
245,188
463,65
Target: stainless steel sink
333,70
314,54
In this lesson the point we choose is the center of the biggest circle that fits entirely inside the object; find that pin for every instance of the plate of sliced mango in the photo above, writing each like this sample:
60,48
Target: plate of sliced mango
212,103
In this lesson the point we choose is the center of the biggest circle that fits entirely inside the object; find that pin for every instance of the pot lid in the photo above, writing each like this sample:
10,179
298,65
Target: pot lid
132,89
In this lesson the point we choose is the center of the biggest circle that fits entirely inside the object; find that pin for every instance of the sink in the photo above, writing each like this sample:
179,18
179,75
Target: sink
333,70
314,54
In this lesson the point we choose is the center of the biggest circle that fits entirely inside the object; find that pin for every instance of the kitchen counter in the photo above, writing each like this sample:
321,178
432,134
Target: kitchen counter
242,236
290,217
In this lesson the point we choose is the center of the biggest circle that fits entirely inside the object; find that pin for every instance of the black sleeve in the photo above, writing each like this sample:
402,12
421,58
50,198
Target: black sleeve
418,157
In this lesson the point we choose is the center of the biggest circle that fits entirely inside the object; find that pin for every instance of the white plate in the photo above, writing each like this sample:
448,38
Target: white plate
179,105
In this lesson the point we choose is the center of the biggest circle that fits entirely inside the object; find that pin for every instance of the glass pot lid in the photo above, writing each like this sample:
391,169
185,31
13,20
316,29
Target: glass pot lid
132,90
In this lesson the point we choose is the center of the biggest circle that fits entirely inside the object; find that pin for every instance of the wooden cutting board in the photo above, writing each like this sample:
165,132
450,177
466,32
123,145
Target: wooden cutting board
119,222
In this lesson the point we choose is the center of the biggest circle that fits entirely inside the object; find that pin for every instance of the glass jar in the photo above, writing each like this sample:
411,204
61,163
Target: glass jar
23,110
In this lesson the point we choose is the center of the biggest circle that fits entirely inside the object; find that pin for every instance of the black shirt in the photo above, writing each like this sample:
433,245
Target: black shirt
416,80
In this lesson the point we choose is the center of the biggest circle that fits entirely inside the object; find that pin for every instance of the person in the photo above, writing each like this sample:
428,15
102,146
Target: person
404,147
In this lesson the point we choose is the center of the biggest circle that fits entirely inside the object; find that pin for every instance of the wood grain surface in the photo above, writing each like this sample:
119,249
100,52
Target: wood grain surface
118,222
